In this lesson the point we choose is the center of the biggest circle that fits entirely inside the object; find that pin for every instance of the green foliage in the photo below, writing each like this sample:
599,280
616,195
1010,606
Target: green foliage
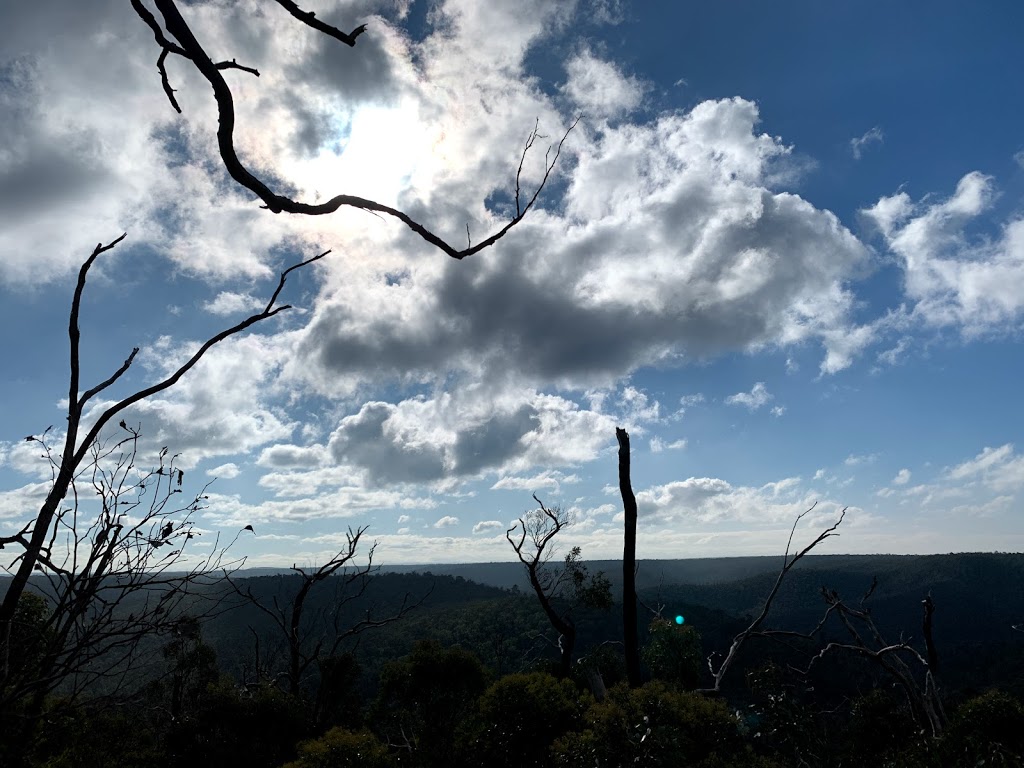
674,654
80,737
254,728
654,726
339,748
424,698
783,720
519,718
338,701
879,727
586,590
987,730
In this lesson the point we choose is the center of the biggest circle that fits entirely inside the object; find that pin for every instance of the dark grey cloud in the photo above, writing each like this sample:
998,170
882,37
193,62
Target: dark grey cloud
44,170
491,444
361,440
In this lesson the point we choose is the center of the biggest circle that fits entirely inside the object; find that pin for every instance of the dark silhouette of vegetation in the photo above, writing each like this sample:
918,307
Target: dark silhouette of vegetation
96,562
559,591
402,700
631,639
315,640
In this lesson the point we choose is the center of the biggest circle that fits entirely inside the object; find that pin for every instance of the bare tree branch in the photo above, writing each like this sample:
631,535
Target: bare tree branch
35,554
309,19
117,571
191,49
755,625
309,641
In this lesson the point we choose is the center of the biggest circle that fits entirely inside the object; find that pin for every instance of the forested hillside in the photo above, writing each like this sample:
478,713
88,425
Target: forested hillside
468,675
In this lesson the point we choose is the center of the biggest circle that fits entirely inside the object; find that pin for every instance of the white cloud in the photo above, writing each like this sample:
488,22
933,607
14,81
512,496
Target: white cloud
902,477
778,410
998,468
446,522
1018,158
953,279
598,89
230,303
871,136
23,503
713,500
756,398
658,445
854,460
489,526
227,471
548,479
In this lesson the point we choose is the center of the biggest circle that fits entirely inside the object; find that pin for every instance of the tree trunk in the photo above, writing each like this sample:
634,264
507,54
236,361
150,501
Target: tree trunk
629,633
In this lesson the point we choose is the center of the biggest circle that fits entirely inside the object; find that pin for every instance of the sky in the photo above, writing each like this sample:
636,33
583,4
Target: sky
783,247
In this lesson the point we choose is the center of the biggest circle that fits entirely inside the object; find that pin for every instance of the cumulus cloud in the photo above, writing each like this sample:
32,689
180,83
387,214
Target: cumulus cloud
446,522
756,398
598,89
714,500
460,435
953,279
987,484
227,471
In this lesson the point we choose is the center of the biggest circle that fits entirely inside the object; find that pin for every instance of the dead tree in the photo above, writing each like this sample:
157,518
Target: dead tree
558,591
897,659
39,541
115,570
754,630
174,36
630,636
310,641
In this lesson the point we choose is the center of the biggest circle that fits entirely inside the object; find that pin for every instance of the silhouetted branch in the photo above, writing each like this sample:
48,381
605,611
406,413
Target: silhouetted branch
36,553
108,580
189,48
631,640
289,615
541,526
787,565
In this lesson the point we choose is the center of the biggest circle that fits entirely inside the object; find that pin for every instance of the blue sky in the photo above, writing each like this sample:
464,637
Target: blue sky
784,248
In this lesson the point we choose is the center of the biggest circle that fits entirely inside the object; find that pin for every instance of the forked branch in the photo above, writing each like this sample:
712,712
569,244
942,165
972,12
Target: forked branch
186,45
755,625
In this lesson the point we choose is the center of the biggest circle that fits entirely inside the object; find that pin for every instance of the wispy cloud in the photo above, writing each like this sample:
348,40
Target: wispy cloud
756,398
873,136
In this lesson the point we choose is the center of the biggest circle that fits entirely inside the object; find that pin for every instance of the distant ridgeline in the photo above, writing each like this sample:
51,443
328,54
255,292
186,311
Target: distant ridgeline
489,609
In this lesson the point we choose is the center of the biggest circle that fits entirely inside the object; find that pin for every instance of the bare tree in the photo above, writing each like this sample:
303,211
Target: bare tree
186,45
754,630
630,636
558,591
114,571
82,443
898,659
310,640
